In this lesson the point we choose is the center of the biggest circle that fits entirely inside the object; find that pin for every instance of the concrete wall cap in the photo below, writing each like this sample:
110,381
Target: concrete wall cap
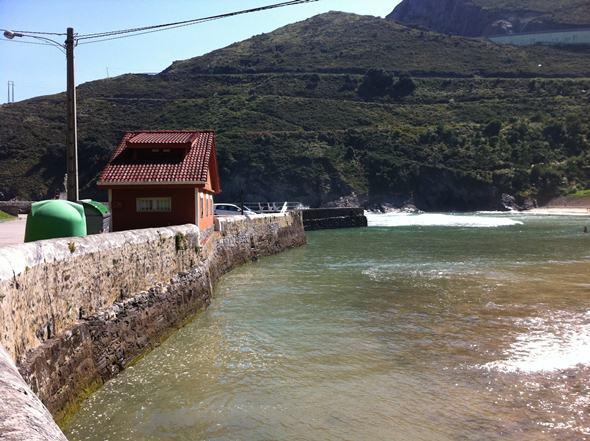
15,259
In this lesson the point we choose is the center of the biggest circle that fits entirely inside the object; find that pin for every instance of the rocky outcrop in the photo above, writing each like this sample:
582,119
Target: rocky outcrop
471,19
511,203
350,201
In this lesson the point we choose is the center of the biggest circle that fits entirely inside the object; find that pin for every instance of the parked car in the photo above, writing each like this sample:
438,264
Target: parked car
232,210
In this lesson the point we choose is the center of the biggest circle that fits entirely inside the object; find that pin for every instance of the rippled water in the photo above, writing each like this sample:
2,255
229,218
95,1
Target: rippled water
428,327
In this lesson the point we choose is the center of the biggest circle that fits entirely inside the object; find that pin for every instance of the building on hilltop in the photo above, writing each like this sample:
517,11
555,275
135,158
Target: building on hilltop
162,178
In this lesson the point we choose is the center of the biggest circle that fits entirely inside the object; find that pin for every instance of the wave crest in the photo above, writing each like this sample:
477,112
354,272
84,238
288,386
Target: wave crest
439,220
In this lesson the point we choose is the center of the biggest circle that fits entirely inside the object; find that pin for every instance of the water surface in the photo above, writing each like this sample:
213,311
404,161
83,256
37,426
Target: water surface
430,327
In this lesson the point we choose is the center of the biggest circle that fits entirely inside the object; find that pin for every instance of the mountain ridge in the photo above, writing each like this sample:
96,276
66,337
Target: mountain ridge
290,108
475,18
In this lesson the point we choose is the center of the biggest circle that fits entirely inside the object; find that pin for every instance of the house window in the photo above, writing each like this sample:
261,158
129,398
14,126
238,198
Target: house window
153,205
202,203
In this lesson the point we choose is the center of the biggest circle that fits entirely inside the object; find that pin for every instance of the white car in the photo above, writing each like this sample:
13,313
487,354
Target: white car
232,210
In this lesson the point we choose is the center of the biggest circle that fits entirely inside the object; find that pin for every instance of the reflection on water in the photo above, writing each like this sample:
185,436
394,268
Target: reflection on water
558,342
419,332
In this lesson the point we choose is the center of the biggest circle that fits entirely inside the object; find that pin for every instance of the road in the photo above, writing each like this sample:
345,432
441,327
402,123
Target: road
13,232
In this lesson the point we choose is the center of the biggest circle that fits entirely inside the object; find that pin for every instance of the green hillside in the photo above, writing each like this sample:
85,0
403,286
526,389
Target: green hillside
299,118
339,42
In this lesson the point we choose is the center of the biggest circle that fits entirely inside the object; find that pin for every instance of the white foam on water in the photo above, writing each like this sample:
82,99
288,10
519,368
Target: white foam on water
551,344
400,219
499,212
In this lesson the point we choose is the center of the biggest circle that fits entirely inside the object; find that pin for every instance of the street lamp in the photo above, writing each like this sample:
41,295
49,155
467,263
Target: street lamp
72,131
10,35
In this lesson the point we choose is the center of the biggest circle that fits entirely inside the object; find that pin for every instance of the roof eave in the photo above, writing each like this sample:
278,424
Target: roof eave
136,183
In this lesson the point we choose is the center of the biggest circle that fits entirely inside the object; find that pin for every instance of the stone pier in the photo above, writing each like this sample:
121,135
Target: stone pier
75,312
333,218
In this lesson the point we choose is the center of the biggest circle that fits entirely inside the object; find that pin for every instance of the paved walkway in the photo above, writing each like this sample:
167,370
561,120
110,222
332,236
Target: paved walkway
13,232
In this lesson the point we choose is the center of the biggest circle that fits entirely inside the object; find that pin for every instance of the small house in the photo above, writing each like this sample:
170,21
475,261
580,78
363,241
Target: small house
162,178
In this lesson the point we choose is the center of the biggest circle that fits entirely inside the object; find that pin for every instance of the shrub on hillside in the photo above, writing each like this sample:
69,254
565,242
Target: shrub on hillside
379,83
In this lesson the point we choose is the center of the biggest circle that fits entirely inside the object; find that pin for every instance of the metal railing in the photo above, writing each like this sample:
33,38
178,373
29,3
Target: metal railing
273,207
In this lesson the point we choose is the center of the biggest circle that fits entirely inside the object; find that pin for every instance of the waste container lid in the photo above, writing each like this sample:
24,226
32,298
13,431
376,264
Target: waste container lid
55,218
102,208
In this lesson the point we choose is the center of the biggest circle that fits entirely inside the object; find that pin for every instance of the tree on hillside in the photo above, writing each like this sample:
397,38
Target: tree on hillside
404,87
376,83
492,129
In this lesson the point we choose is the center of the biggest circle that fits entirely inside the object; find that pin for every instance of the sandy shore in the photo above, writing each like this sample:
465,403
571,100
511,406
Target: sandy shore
572,211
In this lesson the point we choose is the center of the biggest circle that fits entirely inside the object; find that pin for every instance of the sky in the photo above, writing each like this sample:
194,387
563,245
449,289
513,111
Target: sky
40,70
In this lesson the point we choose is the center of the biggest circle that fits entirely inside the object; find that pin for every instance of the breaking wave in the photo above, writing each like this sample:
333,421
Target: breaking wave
401,219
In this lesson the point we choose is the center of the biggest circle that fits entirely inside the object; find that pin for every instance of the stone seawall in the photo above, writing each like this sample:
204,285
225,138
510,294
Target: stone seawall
332,218
47,286
15,207
77,318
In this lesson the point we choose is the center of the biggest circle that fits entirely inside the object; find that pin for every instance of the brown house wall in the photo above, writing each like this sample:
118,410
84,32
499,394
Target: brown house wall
126,217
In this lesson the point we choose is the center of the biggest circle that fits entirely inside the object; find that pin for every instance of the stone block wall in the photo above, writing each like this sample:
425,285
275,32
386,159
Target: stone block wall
46,286
123,294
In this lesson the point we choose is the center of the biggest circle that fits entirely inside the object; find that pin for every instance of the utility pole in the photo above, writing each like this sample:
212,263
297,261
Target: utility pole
72,133
10,98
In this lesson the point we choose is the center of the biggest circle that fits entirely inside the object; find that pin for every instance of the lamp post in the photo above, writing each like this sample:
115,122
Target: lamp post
72,129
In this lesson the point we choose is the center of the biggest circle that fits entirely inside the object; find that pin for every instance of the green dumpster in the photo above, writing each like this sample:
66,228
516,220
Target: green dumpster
55,218
98,217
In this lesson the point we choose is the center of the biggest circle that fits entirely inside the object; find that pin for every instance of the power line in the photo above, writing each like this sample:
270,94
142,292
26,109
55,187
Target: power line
132,32
161,27
117,37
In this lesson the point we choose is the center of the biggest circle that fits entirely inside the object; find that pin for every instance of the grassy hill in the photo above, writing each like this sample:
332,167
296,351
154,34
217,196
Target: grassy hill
299,118
339,42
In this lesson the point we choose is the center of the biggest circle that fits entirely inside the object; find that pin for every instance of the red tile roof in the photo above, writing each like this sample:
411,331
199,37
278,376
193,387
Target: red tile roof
133,163
163,138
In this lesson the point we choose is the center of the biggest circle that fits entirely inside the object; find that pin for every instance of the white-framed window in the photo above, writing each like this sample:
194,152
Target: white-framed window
153,205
